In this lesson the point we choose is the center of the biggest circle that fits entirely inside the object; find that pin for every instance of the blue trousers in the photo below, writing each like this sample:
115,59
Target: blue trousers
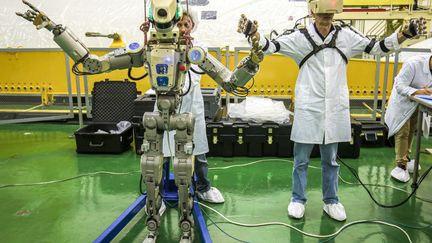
201,171
330,172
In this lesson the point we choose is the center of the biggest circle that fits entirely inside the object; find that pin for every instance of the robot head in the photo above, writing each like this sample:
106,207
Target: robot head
164,14
325,6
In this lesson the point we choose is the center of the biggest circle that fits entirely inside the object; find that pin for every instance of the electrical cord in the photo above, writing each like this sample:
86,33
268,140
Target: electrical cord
190,85
352,170
135,78
219,228
212,168
70,178
240,91
197,72
306,233
314,167
236,223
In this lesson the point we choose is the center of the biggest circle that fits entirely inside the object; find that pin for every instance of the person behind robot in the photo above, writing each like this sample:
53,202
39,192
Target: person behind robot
321,114
193,102
401,117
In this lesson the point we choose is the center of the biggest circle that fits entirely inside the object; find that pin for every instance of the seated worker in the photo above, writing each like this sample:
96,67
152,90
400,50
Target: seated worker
193,102
401,117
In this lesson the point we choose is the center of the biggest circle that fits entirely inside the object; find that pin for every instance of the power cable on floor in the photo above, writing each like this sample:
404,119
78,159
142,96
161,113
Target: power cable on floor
70,178
354,172
306,233
314,167
213,168
217,226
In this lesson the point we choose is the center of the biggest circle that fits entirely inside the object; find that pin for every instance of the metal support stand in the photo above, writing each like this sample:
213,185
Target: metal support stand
169,194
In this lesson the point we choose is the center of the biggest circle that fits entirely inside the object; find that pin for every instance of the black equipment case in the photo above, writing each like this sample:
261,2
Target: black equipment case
112,102
236,138
374,135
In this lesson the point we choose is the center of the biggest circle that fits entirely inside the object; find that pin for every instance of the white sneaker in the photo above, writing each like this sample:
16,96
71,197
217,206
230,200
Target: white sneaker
410,166
161,209
296,210
212,196
336,211
400,174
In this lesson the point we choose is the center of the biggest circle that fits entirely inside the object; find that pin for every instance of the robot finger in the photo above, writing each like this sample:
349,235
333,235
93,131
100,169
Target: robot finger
25,16
31,6
31,13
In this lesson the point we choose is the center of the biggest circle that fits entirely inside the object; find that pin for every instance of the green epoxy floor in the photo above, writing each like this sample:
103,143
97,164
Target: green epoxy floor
79,210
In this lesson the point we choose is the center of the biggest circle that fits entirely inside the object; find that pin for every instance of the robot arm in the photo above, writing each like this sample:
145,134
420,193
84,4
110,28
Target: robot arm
222,75
118,59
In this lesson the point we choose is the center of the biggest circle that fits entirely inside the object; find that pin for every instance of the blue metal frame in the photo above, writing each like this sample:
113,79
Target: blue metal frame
170,194
117,226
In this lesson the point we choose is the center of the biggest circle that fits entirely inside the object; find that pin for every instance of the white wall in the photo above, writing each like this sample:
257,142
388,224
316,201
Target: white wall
125,17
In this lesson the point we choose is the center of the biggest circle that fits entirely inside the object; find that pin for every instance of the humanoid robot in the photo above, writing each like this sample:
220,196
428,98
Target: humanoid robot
167,57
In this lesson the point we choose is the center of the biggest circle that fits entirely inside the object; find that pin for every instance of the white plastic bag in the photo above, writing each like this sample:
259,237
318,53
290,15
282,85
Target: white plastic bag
260,109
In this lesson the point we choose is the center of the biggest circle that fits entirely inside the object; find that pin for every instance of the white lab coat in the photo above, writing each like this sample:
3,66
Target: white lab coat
191,102
415,74
321,111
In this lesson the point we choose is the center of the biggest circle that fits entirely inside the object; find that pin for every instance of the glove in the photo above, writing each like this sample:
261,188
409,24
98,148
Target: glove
414,27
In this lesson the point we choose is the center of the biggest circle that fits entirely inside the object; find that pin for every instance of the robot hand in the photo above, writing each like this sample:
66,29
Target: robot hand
250,29
257,55
414,27
247,27
38,18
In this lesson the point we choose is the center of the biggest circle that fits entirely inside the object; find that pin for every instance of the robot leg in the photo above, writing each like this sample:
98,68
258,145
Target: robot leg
151,170
183,172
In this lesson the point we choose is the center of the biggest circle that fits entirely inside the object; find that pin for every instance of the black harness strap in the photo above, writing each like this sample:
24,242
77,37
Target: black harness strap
369,47
317,48
277,45
383,47
266,45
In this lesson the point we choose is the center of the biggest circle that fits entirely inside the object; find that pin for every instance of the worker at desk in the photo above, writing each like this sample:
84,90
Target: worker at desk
415,78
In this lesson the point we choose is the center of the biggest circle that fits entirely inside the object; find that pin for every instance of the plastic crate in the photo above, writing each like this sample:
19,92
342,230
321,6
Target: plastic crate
112,103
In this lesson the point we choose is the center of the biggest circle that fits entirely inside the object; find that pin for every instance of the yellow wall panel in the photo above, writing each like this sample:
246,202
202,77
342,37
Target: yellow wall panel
29,72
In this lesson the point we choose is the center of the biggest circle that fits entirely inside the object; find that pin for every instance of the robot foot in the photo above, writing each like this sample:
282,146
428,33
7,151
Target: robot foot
187,237
150,238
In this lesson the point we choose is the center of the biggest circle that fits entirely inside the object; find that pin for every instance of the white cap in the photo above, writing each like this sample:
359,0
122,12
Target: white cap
193,14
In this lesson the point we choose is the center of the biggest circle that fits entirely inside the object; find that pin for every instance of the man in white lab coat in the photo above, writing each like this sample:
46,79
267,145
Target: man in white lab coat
321,114
413,79
193,102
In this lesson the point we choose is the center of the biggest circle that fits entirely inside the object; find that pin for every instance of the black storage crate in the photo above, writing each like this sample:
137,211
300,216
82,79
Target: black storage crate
283,141
89,142
226,139
249,139
270,139
112,103
352,149
374,135
144,103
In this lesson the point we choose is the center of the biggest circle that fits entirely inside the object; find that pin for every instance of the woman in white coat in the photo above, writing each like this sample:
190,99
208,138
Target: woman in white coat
413,79
321,114
193,102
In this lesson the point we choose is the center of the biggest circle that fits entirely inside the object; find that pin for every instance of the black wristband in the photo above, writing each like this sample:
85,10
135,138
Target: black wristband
407,36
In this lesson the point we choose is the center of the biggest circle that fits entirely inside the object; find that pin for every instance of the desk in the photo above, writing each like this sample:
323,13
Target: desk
425,106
